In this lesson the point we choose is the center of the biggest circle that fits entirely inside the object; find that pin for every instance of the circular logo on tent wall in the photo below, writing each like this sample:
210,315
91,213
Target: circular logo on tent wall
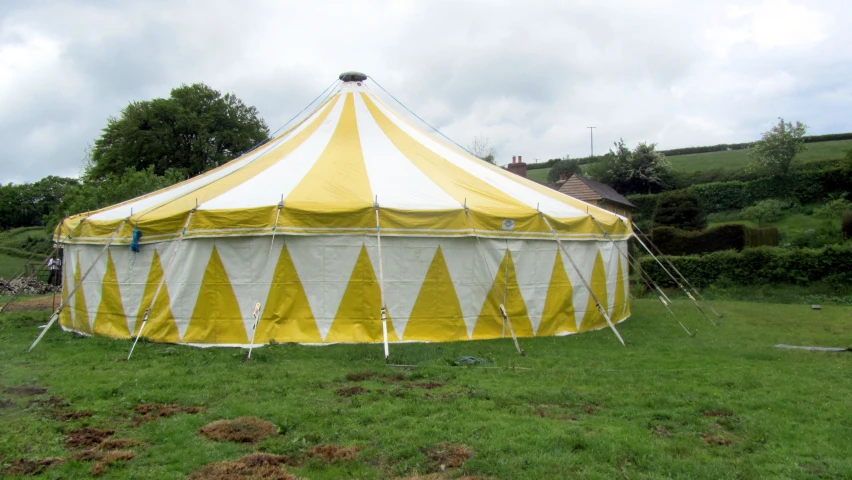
508,224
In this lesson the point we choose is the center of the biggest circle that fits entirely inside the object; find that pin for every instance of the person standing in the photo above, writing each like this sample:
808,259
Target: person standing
53,265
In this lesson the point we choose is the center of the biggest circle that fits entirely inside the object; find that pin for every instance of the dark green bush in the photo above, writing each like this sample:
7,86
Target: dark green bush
763,265
723,237
680,209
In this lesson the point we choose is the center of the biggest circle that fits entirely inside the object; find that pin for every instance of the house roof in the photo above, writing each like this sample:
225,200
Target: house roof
601,190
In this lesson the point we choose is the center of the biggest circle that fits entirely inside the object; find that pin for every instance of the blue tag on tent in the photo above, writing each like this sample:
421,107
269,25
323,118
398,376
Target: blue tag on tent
134,242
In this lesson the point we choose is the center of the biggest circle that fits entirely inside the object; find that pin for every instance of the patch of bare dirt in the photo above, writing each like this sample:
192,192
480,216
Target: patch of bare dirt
332,453
26,390
31,303
68,416
716,440
350,391
52,402
717,413
446,455
240,430
426,385
104,459
118,444
662,431
86,437
6,403
370,375
23,466
590,409
152,411
255,466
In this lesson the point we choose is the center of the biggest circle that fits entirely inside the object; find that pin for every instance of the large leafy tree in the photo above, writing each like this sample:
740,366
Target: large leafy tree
195,129
778,147
563,166
29,204
641,170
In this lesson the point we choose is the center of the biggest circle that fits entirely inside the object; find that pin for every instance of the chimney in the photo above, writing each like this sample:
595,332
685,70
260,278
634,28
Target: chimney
518,167
563,177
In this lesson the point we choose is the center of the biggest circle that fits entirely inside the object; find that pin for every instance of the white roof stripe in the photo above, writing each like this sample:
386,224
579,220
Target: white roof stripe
395,181
515,189
266,188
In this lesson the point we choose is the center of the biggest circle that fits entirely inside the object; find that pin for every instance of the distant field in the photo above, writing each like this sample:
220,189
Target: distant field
739,158
734,159
9,265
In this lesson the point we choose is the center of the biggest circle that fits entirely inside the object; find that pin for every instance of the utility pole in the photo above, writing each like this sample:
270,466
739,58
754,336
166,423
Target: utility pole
592,137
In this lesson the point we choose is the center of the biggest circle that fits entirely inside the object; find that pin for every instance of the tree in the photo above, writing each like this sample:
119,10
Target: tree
777,148
29,204
764,211
641,170
564,166
680,209
481,148
195,129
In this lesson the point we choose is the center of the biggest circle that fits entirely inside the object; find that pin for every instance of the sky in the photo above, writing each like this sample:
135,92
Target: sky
530,76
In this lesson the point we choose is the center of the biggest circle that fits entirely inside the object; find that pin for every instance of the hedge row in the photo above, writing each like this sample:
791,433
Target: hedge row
739,146
761,265
550,163
673,241
805,185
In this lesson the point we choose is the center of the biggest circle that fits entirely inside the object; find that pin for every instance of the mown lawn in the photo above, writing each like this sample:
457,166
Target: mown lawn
724,404
10,265
734,159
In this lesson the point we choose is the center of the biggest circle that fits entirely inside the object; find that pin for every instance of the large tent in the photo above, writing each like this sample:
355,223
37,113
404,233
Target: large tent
353,208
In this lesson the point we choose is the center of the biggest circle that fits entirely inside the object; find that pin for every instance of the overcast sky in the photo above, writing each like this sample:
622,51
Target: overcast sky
529,75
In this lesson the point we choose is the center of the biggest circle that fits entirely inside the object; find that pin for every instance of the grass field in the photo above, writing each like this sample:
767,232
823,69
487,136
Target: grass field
734,159
724,404
10,264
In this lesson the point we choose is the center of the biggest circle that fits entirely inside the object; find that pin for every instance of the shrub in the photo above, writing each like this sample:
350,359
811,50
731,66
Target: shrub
834,207
764,211
681,209
723,237
846,226
764,265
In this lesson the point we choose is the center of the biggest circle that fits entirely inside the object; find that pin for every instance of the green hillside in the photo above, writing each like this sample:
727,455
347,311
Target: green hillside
734,159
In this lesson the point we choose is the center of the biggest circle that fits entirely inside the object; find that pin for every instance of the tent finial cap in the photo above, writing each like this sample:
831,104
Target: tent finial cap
352,77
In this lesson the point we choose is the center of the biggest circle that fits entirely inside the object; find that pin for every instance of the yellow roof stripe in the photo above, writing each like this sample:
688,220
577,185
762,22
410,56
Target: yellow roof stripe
338,180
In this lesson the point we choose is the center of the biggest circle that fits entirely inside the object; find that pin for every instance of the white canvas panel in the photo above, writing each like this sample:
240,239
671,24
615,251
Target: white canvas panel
394,180
250,264
132,270
184,276
583,254
267,187
533,261
405,262
324,265
610,255
69,263
92,284
470,274
510,186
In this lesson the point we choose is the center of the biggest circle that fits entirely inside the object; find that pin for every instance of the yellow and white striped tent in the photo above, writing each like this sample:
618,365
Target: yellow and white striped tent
292,225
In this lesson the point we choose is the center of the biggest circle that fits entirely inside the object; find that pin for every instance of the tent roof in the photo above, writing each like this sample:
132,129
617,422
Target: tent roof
331,173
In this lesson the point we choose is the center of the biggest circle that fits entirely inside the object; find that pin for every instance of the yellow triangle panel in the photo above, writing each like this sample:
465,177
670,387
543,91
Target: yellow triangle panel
216,317
358,317
593,320
620,301
81,313
490,321
558,315
109,319
287,316
65,315
436,315
161,324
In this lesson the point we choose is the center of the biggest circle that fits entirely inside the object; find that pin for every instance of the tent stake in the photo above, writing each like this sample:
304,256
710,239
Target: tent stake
256,315
78,285
162,282
600,307
384,309
664,299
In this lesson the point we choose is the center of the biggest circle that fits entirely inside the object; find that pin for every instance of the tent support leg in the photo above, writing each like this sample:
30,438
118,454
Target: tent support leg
676,281
256,316
162,281
600,307
384,308
664,299
79,284
709,305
